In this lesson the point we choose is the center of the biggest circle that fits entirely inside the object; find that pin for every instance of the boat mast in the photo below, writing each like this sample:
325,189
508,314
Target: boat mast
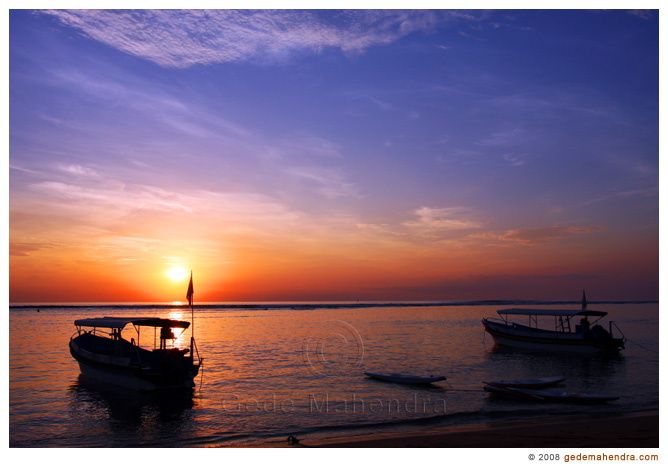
584,300
190,295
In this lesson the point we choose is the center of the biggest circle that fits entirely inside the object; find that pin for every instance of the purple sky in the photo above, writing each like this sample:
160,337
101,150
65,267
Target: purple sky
294,155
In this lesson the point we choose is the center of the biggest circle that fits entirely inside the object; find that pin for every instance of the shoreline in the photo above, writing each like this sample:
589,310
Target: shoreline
633,430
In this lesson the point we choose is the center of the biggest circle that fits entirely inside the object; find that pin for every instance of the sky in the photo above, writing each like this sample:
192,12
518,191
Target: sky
333,155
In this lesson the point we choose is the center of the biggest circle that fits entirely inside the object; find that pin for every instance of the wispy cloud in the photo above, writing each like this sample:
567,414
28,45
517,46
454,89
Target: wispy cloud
537,235
108,87
471,36
433,220
329,182
23,249
182,38
550,102
644,14
78,171
513,159
644,193
307,146
504,138
117,199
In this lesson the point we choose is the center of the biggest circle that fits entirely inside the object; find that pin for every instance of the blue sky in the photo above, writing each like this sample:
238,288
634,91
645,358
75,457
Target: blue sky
438,153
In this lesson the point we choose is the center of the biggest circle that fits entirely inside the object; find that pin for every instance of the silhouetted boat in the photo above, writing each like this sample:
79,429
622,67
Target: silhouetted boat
584,337
406,379
550,396
528,383
107,356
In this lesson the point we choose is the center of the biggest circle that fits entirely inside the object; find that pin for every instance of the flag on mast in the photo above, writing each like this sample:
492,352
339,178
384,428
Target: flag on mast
189,294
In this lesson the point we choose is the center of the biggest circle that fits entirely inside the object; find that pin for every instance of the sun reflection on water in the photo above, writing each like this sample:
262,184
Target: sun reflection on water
181,335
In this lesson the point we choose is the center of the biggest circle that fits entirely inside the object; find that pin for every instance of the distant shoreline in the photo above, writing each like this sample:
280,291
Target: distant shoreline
305,305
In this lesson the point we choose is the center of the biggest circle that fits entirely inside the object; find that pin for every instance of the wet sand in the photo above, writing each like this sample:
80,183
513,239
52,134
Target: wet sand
632,430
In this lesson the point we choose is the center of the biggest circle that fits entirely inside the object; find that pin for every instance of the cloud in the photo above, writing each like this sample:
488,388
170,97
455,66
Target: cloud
471,36
328,182
547,102
116,90
513,160
78,171
125,221
442,219
649,192
538,235
116,203
23,249
183,38
308,146
504,138
643,14
112,199
311,164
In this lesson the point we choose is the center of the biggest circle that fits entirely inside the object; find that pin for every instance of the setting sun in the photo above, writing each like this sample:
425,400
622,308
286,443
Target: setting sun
177,274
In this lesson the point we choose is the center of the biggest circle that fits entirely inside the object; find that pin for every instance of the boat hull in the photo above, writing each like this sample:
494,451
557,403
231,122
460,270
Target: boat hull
529,383
518,336
405,379
121,371
548,396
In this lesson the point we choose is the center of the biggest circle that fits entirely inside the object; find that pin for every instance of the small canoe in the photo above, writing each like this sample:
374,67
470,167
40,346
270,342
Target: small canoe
530,383
546,395
406,379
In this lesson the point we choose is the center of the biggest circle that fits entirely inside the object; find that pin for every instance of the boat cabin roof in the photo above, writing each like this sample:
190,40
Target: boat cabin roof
553,312
120,322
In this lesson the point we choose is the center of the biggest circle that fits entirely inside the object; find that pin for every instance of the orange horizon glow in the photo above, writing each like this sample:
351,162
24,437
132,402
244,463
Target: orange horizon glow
399,270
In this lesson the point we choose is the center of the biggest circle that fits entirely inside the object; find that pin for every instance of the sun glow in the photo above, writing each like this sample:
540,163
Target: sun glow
177,274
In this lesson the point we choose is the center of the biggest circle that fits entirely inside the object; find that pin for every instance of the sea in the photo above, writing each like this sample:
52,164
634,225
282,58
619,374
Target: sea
275,370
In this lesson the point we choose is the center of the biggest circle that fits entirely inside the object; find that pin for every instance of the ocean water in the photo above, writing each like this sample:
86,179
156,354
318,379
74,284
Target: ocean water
275,370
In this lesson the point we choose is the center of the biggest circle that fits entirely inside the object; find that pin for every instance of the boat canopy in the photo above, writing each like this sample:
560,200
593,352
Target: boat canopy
120,322
553,312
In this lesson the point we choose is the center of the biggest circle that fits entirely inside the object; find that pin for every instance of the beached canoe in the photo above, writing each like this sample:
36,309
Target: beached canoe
406,379
529,383
550,396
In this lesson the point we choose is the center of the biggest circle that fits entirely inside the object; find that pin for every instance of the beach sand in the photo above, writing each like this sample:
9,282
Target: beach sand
632,430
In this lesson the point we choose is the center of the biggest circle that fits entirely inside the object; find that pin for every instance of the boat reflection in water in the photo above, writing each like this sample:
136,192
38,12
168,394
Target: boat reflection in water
116,416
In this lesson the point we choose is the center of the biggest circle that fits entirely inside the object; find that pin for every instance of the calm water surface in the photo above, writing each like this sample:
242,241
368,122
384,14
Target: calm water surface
272,373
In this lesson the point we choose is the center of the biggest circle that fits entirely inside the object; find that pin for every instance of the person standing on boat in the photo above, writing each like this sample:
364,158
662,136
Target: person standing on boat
585,327
165,334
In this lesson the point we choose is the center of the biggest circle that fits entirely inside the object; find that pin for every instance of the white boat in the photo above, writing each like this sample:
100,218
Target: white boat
102,353
550,396
405,379
528,383
571,330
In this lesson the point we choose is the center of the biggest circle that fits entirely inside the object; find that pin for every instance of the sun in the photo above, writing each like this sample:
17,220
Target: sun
177,274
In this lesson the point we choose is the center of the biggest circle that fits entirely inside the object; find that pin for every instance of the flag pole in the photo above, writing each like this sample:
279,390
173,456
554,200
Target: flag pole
190,295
